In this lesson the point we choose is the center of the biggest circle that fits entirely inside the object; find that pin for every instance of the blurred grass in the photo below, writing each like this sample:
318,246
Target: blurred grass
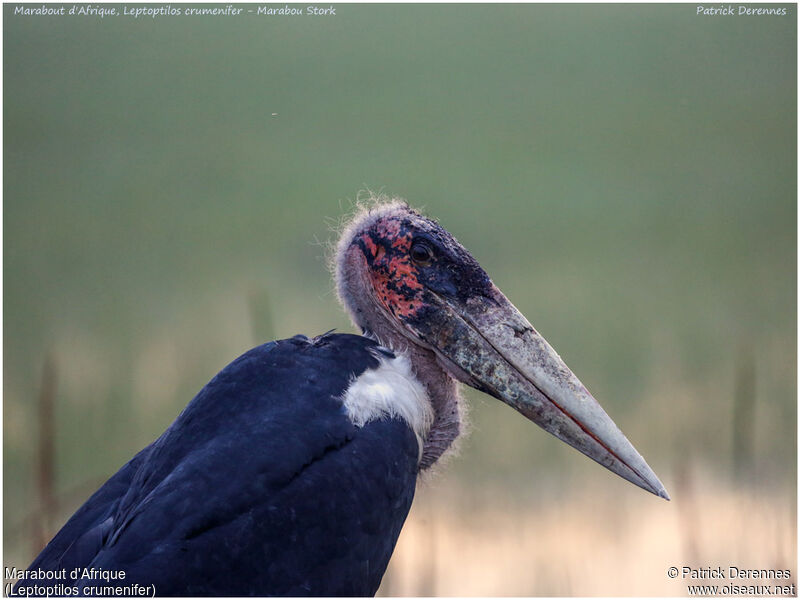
626,174
544,544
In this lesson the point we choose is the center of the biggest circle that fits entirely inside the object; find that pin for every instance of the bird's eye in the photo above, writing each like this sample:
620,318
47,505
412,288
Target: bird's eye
421,254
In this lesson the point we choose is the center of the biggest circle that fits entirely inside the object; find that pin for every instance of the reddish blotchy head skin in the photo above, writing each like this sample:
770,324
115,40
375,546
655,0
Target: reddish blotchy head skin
393,275
407,257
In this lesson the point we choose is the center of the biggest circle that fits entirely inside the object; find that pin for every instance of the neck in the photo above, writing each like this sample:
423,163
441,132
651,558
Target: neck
444,395
442,389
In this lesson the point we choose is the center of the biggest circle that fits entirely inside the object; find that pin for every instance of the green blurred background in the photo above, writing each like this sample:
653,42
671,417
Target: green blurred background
625,173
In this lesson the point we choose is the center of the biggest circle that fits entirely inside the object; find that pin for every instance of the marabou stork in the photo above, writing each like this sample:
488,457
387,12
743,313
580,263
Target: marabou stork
293,470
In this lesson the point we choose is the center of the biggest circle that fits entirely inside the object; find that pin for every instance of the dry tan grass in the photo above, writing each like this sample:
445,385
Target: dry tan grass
589,546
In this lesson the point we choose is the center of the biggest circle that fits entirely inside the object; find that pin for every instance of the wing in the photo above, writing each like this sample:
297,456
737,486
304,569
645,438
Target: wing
262,486
78,539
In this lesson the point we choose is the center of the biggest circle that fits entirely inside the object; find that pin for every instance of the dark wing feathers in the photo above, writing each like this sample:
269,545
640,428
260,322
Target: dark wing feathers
66,547
260,486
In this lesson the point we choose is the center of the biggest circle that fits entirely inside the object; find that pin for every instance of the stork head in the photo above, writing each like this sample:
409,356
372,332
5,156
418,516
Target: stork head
407,281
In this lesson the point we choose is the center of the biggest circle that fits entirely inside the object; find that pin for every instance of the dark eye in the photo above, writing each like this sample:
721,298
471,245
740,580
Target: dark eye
421,254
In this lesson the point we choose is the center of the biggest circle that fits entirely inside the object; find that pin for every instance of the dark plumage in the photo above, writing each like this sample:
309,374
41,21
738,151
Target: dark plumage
236,497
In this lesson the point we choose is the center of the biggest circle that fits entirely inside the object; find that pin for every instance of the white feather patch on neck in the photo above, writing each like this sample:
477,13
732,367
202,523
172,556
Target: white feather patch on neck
391,390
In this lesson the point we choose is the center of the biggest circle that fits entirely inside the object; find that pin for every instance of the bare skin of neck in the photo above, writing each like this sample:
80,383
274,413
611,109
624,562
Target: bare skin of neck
441,387
444,395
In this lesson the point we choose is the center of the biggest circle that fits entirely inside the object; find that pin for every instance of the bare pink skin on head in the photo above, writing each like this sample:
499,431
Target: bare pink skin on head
386,268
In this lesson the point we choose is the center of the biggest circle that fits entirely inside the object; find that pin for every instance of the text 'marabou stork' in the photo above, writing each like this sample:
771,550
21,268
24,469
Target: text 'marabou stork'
293,470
